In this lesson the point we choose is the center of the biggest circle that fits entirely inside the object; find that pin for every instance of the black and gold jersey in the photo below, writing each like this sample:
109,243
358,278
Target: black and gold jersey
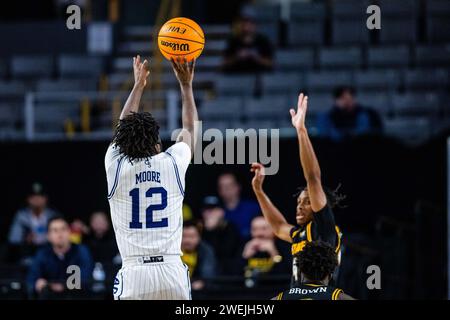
310,291
322,227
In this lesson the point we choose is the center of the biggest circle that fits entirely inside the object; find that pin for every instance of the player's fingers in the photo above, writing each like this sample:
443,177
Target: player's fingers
145,65
304,104
300,100
257,165
176,61
174,64
192,65
262,170
182,64
292,112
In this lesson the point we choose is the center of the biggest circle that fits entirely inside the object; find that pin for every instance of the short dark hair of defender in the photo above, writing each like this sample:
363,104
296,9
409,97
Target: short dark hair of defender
137,136
316,261
340,90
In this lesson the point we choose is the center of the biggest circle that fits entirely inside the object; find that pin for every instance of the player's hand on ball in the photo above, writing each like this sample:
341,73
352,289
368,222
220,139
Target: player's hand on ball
140,71
258,179
184,70
298,118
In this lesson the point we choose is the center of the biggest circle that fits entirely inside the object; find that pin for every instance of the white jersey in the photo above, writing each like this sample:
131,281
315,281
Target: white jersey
146,199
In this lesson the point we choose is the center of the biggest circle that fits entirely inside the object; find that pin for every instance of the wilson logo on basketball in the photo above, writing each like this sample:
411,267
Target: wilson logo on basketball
175,46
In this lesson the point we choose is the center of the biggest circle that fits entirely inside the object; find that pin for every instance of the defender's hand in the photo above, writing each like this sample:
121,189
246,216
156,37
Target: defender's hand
184,70
140,72
258,179
298,118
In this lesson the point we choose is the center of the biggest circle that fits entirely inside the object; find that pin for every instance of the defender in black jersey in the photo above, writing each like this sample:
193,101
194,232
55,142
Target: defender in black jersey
317,261
314,216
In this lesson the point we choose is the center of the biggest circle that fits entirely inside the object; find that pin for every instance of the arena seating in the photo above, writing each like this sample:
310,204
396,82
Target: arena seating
324,46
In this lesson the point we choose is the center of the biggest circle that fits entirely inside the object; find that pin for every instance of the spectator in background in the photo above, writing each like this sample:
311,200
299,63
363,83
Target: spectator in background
48,273
238,211
77,230
29,226
220,234
263,253
100,239
197,255
247,51
347,118
187,212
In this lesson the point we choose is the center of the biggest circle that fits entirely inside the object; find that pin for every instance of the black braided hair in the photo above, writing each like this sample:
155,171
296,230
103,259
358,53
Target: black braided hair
316,261
137,136
334,198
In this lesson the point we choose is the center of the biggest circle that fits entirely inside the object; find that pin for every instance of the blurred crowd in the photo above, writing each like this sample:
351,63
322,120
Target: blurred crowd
250,51
228,237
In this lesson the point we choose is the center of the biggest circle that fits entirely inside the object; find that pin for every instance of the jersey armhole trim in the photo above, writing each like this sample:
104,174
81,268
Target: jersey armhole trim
338,232
335,294
177,173
116,178
308,232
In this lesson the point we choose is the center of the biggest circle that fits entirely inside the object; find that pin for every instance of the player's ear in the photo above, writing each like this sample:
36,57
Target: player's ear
159,147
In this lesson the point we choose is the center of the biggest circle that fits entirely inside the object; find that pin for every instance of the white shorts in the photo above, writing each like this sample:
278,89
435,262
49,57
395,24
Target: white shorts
149,278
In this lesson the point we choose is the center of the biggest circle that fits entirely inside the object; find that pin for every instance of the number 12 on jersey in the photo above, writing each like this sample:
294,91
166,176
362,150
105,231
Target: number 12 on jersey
149,221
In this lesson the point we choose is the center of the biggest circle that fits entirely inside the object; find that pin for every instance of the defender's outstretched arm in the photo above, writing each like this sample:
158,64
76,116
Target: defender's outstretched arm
140,80
308,160
280,226
184,71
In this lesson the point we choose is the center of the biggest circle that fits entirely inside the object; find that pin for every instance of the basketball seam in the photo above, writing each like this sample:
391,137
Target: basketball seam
181,39
189,27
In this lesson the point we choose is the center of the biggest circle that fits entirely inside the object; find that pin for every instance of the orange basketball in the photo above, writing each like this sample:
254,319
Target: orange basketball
181,38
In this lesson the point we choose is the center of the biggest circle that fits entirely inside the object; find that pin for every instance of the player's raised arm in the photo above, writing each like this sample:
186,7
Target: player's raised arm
308,160
140,80
184,71
280,226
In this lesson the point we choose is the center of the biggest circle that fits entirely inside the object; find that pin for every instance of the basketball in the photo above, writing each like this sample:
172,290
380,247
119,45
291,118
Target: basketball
181,38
